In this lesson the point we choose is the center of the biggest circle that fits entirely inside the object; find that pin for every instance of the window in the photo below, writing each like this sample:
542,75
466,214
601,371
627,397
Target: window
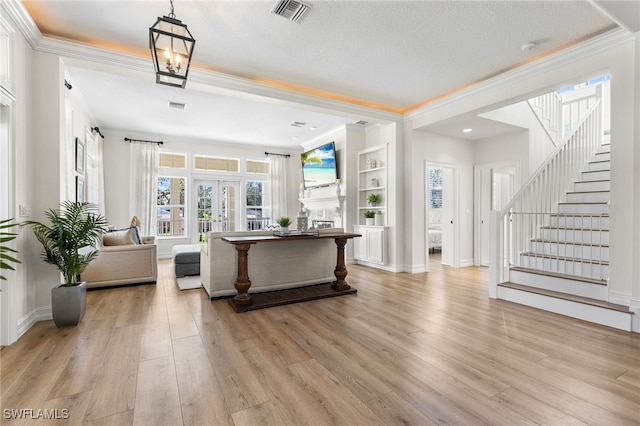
171,206
256,211
174,161
435,188
216,164
257,166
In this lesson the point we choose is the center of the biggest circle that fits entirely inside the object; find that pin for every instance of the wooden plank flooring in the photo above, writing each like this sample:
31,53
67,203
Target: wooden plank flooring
407,349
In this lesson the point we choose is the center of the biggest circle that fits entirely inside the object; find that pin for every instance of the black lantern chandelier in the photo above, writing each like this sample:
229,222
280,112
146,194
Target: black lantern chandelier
171,46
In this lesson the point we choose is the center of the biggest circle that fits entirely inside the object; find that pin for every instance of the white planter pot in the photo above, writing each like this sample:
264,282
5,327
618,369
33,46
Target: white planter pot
378,219
369,221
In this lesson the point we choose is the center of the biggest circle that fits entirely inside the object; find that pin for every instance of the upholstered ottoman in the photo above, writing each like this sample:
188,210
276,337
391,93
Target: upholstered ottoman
186,259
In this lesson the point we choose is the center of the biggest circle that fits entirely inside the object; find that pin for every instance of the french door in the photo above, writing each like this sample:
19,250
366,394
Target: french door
217,206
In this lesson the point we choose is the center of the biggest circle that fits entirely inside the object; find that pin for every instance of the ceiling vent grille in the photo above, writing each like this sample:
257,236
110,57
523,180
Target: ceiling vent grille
177,105
291,9
362,122
298,124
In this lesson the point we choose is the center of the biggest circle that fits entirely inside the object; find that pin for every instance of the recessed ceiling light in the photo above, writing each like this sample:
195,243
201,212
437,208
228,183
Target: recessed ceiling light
295,138
313,127
467,130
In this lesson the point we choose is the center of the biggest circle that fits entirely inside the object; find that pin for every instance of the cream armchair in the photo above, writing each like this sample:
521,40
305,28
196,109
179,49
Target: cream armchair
128,263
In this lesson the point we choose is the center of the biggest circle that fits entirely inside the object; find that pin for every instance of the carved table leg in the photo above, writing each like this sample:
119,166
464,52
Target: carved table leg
242,283
341,270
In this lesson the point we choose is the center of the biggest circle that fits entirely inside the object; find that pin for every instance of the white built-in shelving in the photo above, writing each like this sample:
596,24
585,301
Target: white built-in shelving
372,179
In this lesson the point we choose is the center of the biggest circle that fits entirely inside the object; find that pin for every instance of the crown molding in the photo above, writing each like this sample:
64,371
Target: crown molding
209,81
588,48
26,25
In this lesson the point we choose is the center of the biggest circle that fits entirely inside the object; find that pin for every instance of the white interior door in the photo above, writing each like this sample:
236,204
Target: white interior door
485,212
448,216
497,184
217,206
441,210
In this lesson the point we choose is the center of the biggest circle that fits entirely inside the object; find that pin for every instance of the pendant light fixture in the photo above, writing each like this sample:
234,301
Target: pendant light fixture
171,47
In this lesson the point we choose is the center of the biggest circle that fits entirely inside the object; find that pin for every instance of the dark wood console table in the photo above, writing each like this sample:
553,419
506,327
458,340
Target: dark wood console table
243,301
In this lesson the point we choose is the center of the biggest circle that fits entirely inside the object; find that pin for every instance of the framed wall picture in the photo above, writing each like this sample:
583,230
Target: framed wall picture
79,155
79,189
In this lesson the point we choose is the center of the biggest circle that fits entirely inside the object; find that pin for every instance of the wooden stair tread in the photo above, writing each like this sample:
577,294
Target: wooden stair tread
585,202
580,214
568,259
569,297
558,275
588,192
573,228
540,240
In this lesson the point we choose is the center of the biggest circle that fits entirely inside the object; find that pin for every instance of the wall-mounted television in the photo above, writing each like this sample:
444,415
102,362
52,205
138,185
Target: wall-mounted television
319,166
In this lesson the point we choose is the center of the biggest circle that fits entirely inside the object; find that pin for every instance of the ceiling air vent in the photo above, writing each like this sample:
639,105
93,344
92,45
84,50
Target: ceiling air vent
298,124
177,105
362,122
291,9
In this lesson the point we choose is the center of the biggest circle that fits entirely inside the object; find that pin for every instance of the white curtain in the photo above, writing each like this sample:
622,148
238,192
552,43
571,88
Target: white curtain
278,181
143,163
95,171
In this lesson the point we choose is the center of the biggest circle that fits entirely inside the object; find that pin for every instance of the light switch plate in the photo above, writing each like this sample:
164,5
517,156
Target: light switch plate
25,211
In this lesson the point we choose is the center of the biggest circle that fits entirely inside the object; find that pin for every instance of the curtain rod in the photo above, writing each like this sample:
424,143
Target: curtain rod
273,153
97,130
141,140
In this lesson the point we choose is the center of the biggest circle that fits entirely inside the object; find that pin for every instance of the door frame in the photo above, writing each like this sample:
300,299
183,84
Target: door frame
455,211
8,311
477,199
215,181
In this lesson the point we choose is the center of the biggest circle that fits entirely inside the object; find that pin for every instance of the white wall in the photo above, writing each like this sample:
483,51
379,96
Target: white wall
539,144
512,147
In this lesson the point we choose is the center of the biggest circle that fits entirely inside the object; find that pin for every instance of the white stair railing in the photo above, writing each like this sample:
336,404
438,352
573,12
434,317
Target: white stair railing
539,197
548,110
558,114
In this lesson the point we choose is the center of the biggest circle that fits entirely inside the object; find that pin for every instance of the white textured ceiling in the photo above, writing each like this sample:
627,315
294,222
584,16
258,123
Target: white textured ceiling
393,56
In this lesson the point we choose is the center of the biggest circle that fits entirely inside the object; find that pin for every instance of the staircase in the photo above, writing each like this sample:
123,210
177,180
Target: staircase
556,242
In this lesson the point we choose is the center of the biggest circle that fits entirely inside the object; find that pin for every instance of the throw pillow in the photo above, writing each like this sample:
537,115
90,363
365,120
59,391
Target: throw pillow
135,233
118,238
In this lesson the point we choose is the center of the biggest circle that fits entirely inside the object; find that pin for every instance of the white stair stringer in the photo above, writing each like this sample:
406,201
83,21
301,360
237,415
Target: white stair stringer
580,309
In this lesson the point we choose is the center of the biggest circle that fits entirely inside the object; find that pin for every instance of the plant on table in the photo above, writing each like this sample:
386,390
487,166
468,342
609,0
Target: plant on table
284,221
369,214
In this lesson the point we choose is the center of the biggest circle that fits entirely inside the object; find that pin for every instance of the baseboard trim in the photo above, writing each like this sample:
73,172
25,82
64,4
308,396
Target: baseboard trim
37,315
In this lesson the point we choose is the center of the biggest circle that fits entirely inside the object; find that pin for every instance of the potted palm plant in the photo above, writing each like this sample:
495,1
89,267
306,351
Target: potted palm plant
7,253
69,244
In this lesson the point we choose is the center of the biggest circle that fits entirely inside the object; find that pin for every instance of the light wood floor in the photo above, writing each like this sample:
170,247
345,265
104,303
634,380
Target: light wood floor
408,349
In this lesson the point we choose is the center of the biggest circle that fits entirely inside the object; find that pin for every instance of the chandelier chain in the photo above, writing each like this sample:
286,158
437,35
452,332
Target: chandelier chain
172,15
